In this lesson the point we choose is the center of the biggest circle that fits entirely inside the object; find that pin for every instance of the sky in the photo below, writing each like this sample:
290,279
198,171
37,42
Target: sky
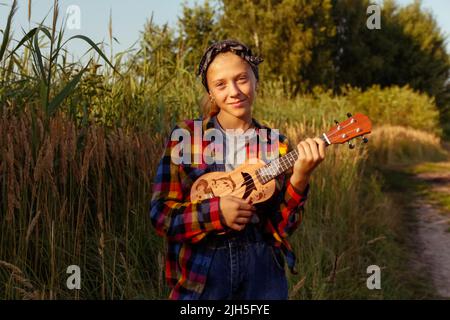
129,18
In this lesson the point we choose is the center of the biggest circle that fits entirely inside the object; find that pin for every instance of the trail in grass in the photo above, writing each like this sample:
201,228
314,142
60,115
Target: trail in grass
432,210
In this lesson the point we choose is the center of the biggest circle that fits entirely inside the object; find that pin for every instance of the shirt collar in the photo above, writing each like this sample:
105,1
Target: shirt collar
208,123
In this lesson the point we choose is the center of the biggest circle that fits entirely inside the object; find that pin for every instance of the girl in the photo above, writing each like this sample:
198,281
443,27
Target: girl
228,248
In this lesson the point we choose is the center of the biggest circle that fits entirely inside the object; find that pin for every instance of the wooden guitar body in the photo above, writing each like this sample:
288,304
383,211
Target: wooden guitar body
242,182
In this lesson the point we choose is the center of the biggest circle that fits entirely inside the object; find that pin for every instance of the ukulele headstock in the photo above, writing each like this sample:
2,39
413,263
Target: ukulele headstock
355,126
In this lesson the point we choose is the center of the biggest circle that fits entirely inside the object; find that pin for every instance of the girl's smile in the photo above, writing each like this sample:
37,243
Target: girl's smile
238,104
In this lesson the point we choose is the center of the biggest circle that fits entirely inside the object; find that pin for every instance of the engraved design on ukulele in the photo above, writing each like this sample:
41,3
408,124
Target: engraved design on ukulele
203,186
226,182
257,196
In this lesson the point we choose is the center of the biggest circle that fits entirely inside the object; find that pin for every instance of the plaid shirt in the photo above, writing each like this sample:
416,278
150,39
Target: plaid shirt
188,226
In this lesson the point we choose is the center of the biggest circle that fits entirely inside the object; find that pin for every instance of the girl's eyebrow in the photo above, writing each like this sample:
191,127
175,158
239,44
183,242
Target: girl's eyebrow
244,73
236,76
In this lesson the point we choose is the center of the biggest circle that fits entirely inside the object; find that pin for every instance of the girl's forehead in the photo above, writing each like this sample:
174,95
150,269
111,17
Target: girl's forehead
225,64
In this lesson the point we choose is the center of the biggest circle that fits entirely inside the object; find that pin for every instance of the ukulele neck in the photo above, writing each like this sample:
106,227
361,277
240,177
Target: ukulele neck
278,166
354,126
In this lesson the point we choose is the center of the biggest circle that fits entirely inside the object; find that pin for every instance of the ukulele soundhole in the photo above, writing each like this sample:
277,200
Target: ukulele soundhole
248,183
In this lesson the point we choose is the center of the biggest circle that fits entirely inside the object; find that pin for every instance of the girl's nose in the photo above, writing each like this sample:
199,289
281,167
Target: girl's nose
234,89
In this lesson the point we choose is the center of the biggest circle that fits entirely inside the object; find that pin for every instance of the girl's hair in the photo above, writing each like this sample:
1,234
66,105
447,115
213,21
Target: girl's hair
209,108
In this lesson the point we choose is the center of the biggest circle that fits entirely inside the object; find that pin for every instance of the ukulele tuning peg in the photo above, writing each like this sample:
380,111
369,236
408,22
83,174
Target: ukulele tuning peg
349,115
351,145
365,140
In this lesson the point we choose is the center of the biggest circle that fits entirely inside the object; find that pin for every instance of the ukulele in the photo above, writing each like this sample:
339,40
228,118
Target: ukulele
254,180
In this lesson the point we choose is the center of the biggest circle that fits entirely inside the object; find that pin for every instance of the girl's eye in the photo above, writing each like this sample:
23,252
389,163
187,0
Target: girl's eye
220,85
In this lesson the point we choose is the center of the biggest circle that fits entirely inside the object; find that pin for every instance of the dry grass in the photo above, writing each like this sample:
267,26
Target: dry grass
82,190
395,145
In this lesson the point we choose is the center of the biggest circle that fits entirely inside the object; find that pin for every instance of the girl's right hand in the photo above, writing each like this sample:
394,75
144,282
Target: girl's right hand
236,212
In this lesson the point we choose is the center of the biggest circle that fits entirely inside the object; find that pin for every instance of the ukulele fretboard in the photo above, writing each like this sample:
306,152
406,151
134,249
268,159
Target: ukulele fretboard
276,167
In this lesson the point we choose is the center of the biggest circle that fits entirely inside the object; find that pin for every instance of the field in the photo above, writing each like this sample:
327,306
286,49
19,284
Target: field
79,146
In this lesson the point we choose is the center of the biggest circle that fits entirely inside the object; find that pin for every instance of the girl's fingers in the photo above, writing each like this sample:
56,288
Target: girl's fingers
321,144
307,149
240,220
314,148
245,213
247,207
301,151
244,204
238,227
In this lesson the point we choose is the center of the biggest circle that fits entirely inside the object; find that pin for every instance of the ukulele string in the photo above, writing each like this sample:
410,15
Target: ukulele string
282,158
337,130
249,182
348,132
342,127
246,181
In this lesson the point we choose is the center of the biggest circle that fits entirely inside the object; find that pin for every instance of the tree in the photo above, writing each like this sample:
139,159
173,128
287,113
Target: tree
408,49
198,29
157,57
291,35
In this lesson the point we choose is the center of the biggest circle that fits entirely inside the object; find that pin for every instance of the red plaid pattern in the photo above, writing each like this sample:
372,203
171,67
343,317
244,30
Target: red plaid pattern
186,225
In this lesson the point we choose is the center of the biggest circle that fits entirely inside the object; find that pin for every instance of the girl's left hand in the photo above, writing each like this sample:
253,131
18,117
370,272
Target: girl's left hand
311,152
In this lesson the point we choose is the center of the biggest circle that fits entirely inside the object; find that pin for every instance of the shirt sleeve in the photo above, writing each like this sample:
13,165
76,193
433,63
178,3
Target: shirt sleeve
290,203
171,215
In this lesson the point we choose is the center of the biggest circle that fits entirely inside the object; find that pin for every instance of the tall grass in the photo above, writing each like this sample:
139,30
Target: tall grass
350,223
72,205
61,202
79,146
395,145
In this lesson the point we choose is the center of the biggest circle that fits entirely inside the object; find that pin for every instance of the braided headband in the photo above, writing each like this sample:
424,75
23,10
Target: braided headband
234,46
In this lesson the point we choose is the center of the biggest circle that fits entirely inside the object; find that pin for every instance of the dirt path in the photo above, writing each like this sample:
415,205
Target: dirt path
433,229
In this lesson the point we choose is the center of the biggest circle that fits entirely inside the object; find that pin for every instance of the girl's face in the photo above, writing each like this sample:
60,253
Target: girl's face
232,84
